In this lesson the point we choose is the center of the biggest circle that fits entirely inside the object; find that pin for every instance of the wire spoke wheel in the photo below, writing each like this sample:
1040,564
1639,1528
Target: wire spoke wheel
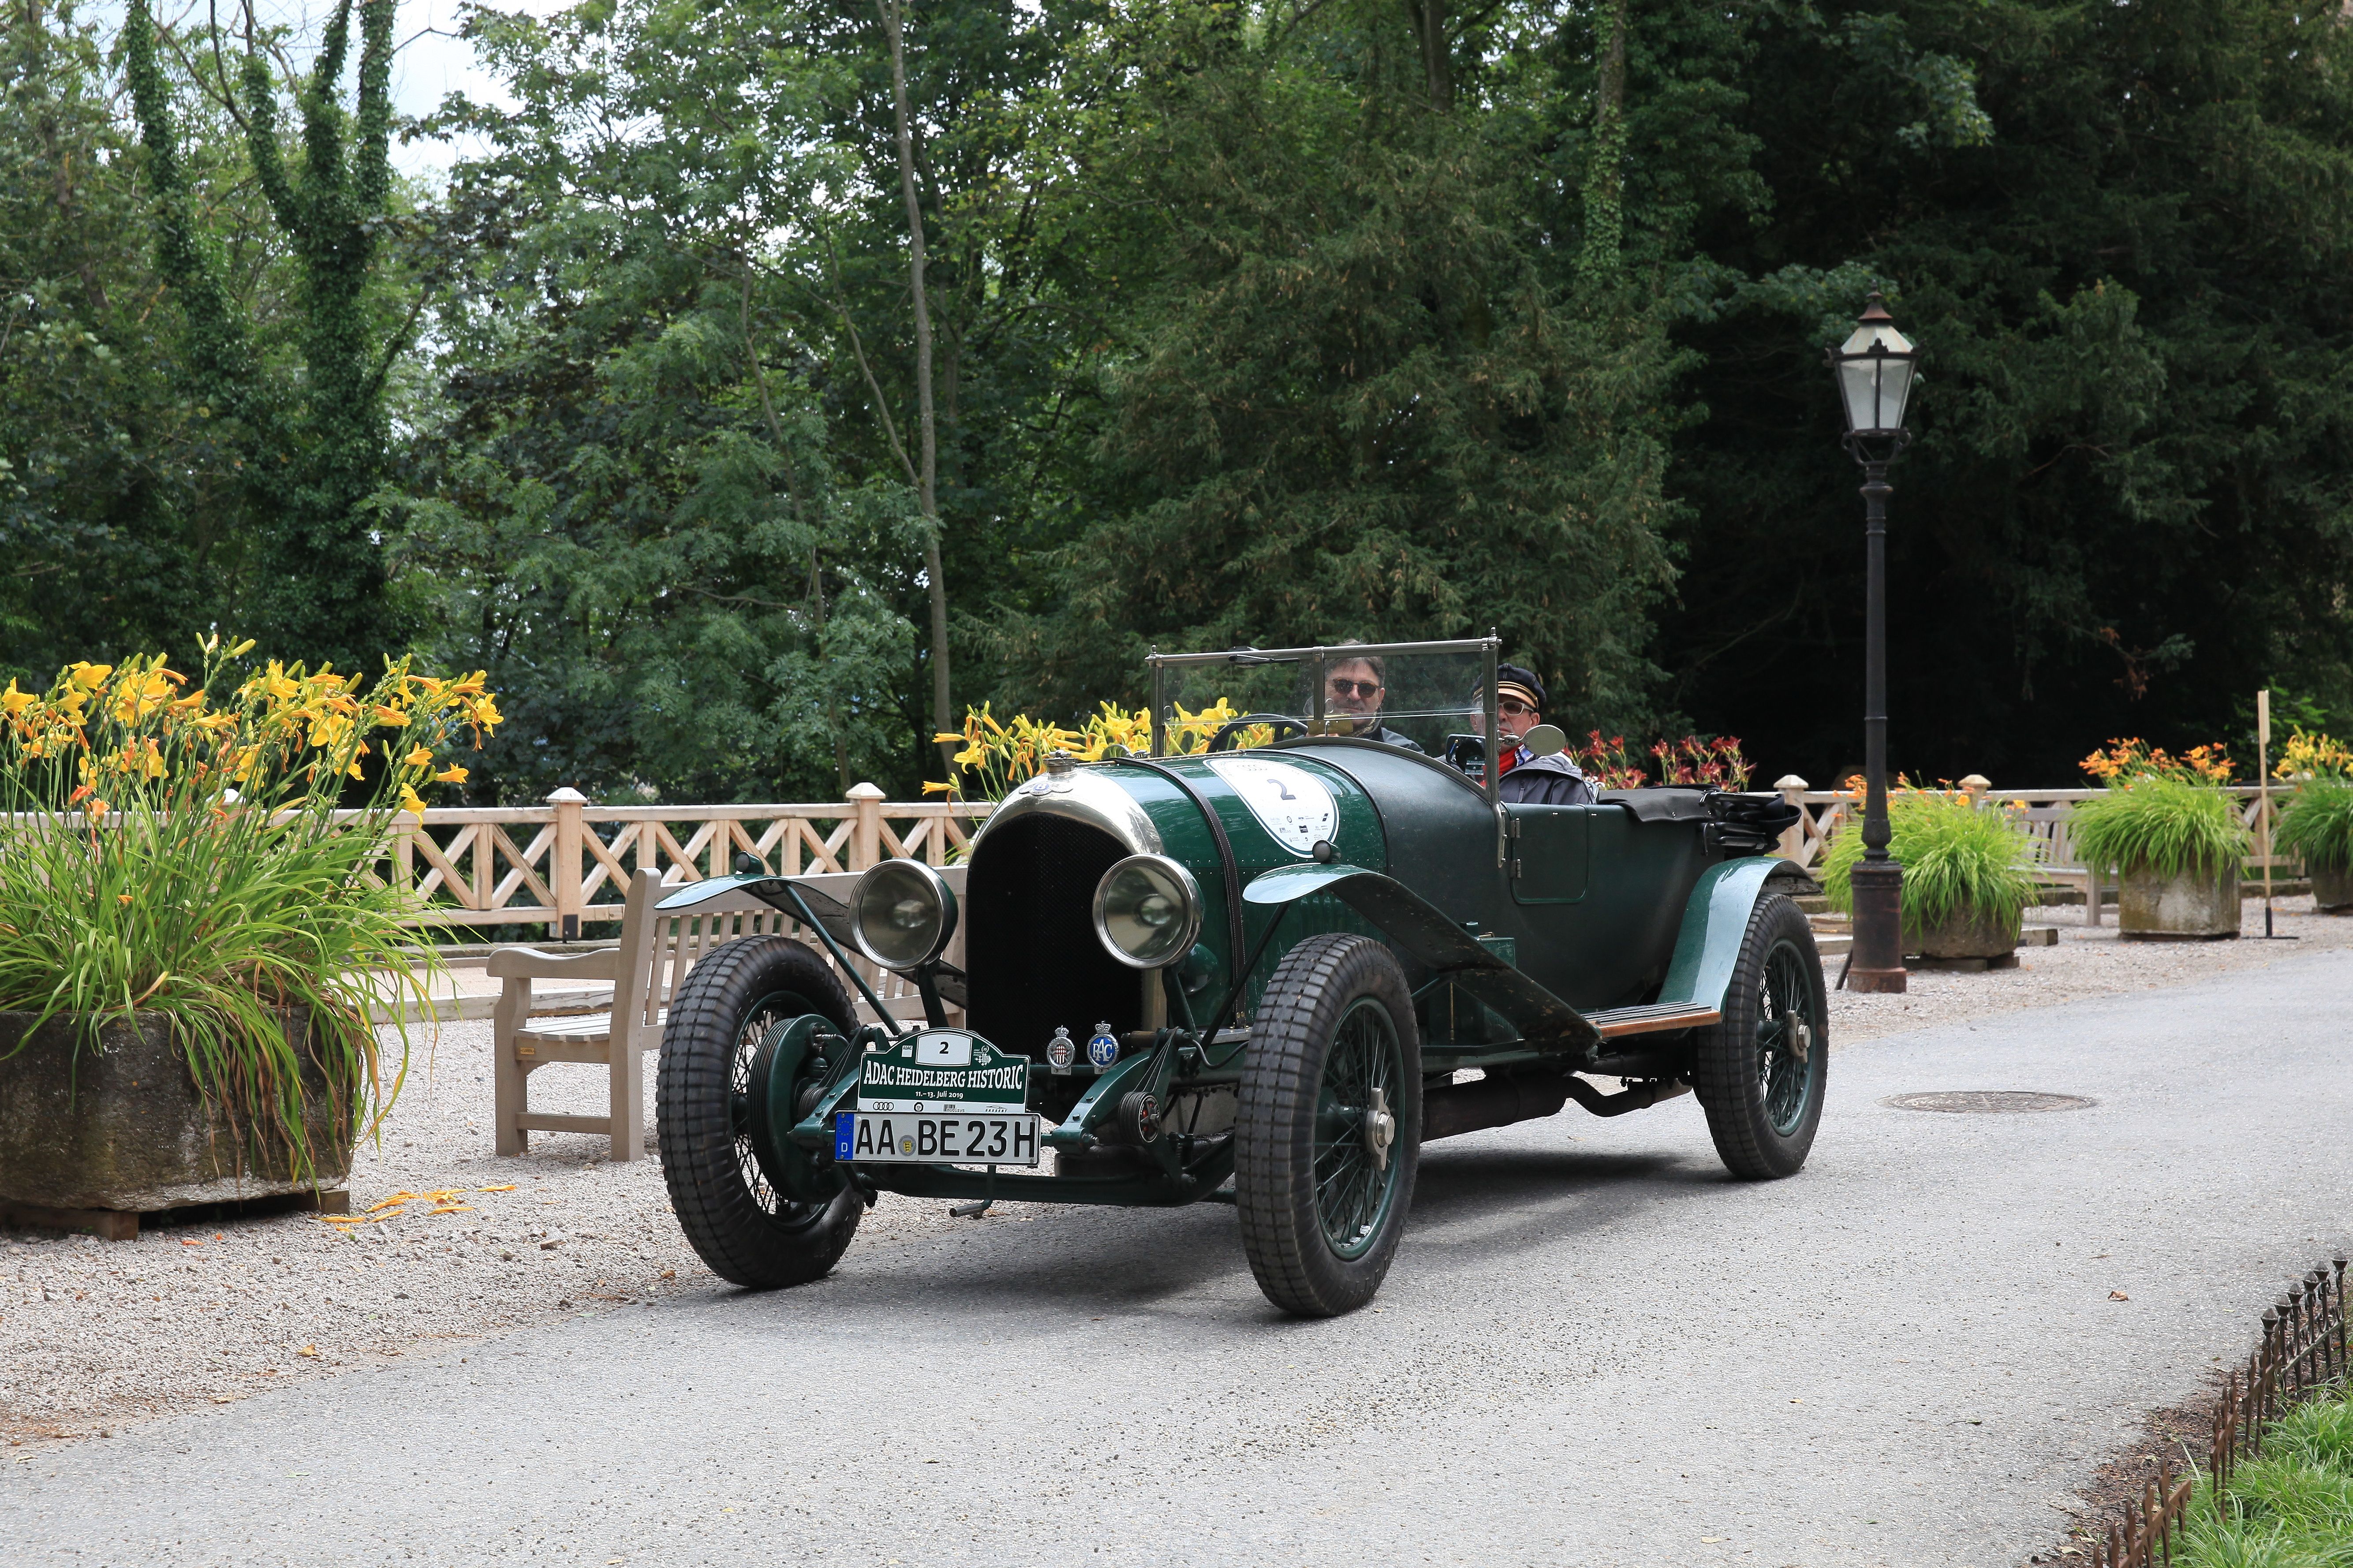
745,1031
1788,1025
1353,1188
768,1017
1761,1072
1328,1129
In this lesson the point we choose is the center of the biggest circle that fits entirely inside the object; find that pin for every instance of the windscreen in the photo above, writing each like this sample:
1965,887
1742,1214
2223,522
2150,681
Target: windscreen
1414,698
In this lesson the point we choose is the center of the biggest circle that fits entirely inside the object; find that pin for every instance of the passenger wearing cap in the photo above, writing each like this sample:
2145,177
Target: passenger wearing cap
1527,779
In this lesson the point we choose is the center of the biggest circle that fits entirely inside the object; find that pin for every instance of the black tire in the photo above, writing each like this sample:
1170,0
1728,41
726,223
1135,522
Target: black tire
738,1204
1762,1070
1320,1211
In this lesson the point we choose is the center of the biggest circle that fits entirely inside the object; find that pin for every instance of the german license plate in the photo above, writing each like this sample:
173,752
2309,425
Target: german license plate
932,1136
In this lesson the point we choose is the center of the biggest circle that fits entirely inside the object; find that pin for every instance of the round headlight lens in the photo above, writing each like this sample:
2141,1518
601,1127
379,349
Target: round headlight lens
1147,912
901,913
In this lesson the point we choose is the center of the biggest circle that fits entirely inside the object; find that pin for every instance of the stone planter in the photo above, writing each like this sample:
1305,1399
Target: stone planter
1966,933
2333,890
2195,906
124,1128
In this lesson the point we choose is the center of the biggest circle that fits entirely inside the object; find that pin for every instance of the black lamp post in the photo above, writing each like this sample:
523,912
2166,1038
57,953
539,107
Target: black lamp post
1874,368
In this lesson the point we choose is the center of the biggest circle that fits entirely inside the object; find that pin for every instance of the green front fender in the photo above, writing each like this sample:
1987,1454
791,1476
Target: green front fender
1715,922
1418,927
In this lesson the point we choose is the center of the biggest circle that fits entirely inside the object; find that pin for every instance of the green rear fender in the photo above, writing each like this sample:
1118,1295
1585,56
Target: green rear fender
1715,922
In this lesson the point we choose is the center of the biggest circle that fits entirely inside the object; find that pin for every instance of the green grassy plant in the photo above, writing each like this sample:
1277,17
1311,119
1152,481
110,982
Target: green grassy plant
2316,824
2167,827
1956,857
2291,1508
202,862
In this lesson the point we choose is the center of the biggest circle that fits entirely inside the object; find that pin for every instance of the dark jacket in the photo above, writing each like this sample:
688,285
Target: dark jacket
1547,781
1388,737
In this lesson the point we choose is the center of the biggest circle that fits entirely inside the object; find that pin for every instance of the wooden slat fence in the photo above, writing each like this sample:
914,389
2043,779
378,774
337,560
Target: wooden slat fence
567,862
2040,814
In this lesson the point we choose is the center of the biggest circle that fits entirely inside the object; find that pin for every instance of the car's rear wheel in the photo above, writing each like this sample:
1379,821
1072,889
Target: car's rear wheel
1328,1127
1761,1072
760,1212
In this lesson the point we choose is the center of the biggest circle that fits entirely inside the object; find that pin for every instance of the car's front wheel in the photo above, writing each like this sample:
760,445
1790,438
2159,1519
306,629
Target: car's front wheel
1328,1128
1761,1071
760,1211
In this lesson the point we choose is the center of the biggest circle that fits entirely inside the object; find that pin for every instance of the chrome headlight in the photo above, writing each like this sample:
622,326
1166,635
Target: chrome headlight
902,913
1147,912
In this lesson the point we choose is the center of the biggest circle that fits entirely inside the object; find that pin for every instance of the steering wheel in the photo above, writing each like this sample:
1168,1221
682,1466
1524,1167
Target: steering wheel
1231,730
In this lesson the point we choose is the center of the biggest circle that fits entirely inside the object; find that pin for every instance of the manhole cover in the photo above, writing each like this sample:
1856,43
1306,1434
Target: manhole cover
1987,1100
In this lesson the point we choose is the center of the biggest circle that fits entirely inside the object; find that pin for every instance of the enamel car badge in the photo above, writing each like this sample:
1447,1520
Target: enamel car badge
1102,1049
1060,1052
1292,805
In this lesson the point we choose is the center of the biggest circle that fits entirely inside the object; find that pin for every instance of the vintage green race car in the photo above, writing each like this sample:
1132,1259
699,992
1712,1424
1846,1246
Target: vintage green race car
1263,976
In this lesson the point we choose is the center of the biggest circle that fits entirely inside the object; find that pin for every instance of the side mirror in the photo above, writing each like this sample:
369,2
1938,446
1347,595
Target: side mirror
1545,740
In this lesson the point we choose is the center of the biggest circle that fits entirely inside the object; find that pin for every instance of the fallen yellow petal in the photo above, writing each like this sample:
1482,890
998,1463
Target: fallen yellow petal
308,1349
507,1188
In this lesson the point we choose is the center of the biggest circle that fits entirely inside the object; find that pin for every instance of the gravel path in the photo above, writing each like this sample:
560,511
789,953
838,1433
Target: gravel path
1595,1350
97,1336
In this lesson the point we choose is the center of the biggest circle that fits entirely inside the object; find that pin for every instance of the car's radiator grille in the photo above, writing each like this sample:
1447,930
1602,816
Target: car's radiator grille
1029,939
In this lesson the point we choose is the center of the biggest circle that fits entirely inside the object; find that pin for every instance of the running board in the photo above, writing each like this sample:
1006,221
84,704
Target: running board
1656,1018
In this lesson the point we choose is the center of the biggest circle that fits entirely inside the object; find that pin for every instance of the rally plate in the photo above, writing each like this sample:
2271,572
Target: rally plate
942,1096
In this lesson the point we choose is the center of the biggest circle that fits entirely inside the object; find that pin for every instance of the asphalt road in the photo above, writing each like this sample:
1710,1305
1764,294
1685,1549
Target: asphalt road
1594,1350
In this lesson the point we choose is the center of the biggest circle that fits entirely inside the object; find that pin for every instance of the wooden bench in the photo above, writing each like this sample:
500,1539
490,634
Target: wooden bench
657,952
2053,854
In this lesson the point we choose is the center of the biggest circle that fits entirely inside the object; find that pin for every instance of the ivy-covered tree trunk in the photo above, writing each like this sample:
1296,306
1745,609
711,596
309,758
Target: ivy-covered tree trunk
313,447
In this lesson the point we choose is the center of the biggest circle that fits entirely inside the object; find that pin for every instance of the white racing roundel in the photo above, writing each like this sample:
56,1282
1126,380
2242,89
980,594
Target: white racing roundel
1290,803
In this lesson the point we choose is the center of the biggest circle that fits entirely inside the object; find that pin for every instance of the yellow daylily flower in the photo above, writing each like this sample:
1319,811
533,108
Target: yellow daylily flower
410,802
90,677
13,701
419,757
450,775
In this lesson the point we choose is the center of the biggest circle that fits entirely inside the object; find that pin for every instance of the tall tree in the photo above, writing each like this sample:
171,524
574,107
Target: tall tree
1346,398
919,295
121,515
2116,232
623,500
313,441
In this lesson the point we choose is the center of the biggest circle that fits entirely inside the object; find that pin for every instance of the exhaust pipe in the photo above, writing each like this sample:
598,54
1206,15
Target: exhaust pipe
1498,1101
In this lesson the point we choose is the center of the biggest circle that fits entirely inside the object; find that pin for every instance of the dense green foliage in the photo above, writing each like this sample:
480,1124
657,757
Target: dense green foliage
1249,324
1959,859
2316,824
2169,827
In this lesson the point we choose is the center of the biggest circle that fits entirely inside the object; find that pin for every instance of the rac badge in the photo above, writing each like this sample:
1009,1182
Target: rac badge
1102,1051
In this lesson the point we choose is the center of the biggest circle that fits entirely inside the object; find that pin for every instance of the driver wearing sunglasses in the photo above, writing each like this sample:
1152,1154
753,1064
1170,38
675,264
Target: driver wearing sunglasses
1352,692
1527,779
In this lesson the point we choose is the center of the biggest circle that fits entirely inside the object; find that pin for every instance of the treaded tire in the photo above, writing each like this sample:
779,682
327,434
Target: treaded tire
746,1231
1764,1100
1316,989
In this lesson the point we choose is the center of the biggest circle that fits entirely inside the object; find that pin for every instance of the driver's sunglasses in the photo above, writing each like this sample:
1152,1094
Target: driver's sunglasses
1356,688
1511,707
